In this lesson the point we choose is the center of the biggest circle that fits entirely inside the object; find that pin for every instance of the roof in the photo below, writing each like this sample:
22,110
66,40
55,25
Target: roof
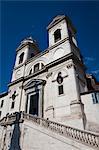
56,20
27,41
59,18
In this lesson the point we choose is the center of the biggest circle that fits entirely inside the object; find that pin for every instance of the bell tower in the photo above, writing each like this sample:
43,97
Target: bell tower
63,44
26,50
62,32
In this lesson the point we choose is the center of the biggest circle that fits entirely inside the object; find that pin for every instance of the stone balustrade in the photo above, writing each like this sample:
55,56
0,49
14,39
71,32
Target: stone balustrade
86,137
83,136
32,118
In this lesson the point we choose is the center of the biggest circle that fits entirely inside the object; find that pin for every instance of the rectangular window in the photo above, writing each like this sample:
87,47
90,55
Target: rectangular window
95,97
12,105
36,67
60,89
2,102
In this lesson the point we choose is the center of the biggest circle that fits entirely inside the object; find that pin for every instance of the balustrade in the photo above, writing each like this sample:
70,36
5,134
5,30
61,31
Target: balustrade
77,134
83,136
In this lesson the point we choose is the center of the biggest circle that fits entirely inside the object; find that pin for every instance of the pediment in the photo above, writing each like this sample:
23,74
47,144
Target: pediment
56,20
34,83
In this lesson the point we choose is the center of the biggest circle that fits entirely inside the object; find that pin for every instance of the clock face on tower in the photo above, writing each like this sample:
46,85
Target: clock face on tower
18,74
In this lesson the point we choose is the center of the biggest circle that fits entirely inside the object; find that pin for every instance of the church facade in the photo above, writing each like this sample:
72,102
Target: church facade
52,84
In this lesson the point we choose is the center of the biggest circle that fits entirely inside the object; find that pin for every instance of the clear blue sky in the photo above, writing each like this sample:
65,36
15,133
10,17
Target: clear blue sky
21,19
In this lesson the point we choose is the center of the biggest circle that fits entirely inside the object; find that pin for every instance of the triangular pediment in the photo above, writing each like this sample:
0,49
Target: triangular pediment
33,83
56,20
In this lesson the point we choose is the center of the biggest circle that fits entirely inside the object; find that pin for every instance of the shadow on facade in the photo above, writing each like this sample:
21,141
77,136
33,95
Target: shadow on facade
15,139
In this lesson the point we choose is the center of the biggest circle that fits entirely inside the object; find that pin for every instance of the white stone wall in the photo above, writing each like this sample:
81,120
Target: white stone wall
30,65
17,87
1,136
18,73
64,32
4,109
91,112
25,50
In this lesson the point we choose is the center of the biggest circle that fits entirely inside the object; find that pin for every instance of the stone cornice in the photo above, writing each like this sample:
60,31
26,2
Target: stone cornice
45,69
58,43
3,94
53,23
22,46
89,92
47,50
16,81
42,53
66,18
20,65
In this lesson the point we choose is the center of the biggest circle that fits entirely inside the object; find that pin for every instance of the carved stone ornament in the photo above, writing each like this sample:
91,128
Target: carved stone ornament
69,65
49,75
59,78
14,95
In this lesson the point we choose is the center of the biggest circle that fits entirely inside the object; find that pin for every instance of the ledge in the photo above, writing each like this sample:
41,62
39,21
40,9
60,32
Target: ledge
89,92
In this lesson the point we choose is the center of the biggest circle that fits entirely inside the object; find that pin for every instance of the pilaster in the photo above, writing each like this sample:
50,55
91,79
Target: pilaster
76,106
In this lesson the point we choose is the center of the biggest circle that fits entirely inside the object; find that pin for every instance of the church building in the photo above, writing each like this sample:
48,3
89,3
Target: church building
51,85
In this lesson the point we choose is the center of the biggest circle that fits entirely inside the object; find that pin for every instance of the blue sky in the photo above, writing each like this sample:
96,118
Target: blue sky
20,19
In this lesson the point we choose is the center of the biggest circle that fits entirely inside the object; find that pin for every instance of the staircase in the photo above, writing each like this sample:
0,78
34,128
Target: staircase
87,138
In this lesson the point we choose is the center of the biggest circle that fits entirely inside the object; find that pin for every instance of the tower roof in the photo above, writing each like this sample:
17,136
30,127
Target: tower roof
59,18
27,41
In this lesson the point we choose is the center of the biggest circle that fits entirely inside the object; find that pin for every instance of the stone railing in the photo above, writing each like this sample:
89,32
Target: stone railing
82,136
32,118
85,137
11,119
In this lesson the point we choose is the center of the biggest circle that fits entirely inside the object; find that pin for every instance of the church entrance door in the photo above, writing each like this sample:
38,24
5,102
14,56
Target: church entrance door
33,109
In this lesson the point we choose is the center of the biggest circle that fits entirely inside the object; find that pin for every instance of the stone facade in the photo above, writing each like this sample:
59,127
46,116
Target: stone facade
52,84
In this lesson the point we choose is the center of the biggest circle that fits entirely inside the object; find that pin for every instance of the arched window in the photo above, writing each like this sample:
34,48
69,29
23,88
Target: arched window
36,67
30,71
21,58
57,35
42,65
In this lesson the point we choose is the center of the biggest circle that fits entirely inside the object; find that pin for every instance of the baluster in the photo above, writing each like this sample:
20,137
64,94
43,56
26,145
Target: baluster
73,133
80,135
83,137
67,131
96,142
86,138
